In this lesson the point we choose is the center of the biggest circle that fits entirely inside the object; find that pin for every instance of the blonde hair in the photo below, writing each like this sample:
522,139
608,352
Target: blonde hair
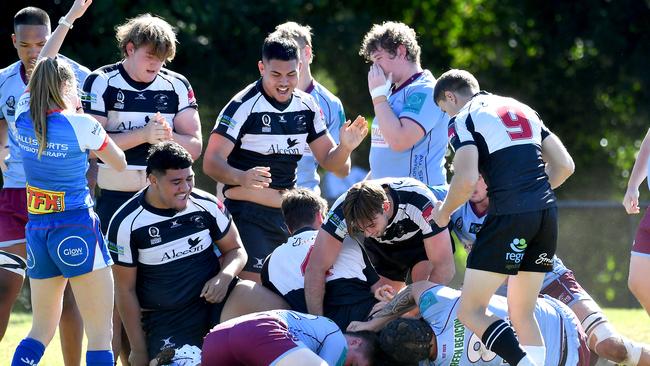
299,33
48,87
147,30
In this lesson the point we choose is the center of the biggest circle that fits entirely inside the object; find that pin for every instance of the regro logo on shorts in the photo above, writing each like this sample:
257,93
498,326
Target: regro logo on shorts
517,247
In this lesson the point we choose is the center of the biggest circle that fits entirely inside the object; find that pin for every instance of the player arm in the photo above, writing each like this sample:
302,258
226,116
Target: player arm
559,164
639,173
129,308
112,155
215,165
404,301
187,131
322,257
232,262
399,133
438,249
336,158
54,42
462,183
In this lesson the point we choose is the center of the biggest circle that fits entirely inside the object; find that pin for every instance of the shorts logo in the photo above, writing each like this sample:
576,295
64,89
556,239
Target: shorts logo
518,245
259,264
31,260
73,251
543,260
42,201
514,257
167,343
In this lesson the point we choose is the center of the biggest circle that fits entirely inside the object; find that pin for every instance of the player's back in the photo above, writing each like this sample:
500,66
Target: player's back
508,135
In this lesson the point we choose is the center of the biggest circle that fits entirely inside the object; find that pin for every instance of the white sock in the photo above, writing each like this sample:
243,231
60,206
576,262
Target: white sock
536,353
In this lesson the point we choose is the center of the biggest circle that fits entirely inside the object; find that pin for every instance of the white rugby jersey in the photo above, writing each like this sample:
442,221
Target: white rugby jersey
128,104
459,346
173,251
348,281
412,221
508,135
268,133
12,86
466,223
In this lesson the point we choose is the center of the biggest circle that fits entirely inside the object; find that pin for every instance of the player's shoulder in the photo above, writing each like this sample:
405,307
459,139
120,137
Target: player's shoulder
124,215
107,70
424,82
249,93
306,99
10,71
207,201
325,94
174,77
102,75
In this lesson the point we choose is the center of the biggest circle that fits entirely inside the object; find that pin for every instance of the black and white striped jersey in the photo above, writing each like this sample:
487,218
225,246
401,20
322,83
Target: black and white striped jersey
268,133
412,220
173,251
508,135
128,104
347,282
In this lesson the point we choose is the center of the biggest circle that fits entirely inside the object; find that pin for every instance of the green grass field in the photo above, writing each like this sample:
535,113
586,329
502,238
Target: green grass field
633,323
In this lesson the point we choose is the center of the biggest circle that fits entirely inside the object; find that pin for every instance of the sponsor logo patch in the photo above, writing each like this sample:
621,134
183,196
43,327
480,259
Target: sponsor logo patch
42,201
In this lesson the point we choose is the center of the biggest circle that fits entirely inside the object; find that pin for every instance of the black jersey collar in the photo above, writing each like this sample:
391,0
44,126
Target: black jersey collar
139,85
303,229
277,105
168,212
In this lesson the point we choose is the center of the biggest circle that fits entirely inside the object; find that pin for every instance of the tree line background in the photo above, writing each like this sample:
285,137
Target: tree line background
583,65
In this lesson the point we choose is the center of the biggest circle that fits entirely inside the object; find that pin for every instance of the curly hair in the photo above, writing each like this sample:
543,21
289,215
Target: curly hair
389,36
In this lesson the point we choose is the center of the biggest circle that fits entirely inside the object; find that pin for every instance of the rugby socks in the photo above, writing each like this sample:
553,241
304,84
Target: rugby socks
536,353
28,353
500,338
99,358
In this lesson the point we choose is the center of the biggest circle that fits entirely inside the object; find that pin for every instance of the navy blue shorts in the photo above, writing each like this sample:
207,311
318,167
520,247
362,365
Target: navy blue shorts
107,204
519,242
177,327
261,228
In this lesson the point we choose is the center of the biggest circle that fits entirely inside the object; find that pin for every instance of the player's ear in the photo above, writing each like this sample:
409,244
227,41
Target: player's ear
152,179
386,205
260,66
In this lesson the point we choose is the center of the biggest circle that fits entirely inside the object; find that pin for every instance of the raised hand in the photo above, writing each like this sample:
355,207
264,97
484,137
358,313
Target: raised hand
352,134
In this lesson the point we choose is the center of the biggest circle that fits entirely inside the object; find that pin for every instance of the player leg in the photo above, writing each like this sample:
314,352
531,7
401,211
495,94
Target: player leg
494,256
249,297
12,275
94,294
71,329
522,296
637,279
640,263
77,246
13,218
261,229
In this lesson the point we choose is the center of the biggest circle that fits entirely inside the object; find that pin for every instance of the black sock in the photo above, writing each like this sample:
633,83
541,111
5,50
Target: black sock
500,338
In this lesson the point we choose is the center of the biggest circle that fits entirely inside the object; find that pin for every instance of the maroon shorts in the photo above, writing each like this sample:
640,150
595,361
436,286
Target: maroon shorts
251,341
13,216
641,244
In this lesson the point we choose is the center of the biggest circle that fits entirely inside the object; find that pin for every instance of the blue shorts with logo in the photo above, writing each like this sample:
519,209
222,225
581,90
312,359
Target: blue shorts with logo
66,244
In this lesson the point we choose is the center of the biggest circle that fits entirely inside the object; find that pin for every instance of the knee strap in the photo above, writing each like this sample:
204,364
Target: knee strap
12,263
634,351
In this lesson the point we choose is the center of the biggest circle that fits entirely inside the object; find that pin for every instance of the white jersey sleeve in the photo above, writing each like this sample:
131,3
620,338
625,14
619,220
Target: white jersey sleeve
90,133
